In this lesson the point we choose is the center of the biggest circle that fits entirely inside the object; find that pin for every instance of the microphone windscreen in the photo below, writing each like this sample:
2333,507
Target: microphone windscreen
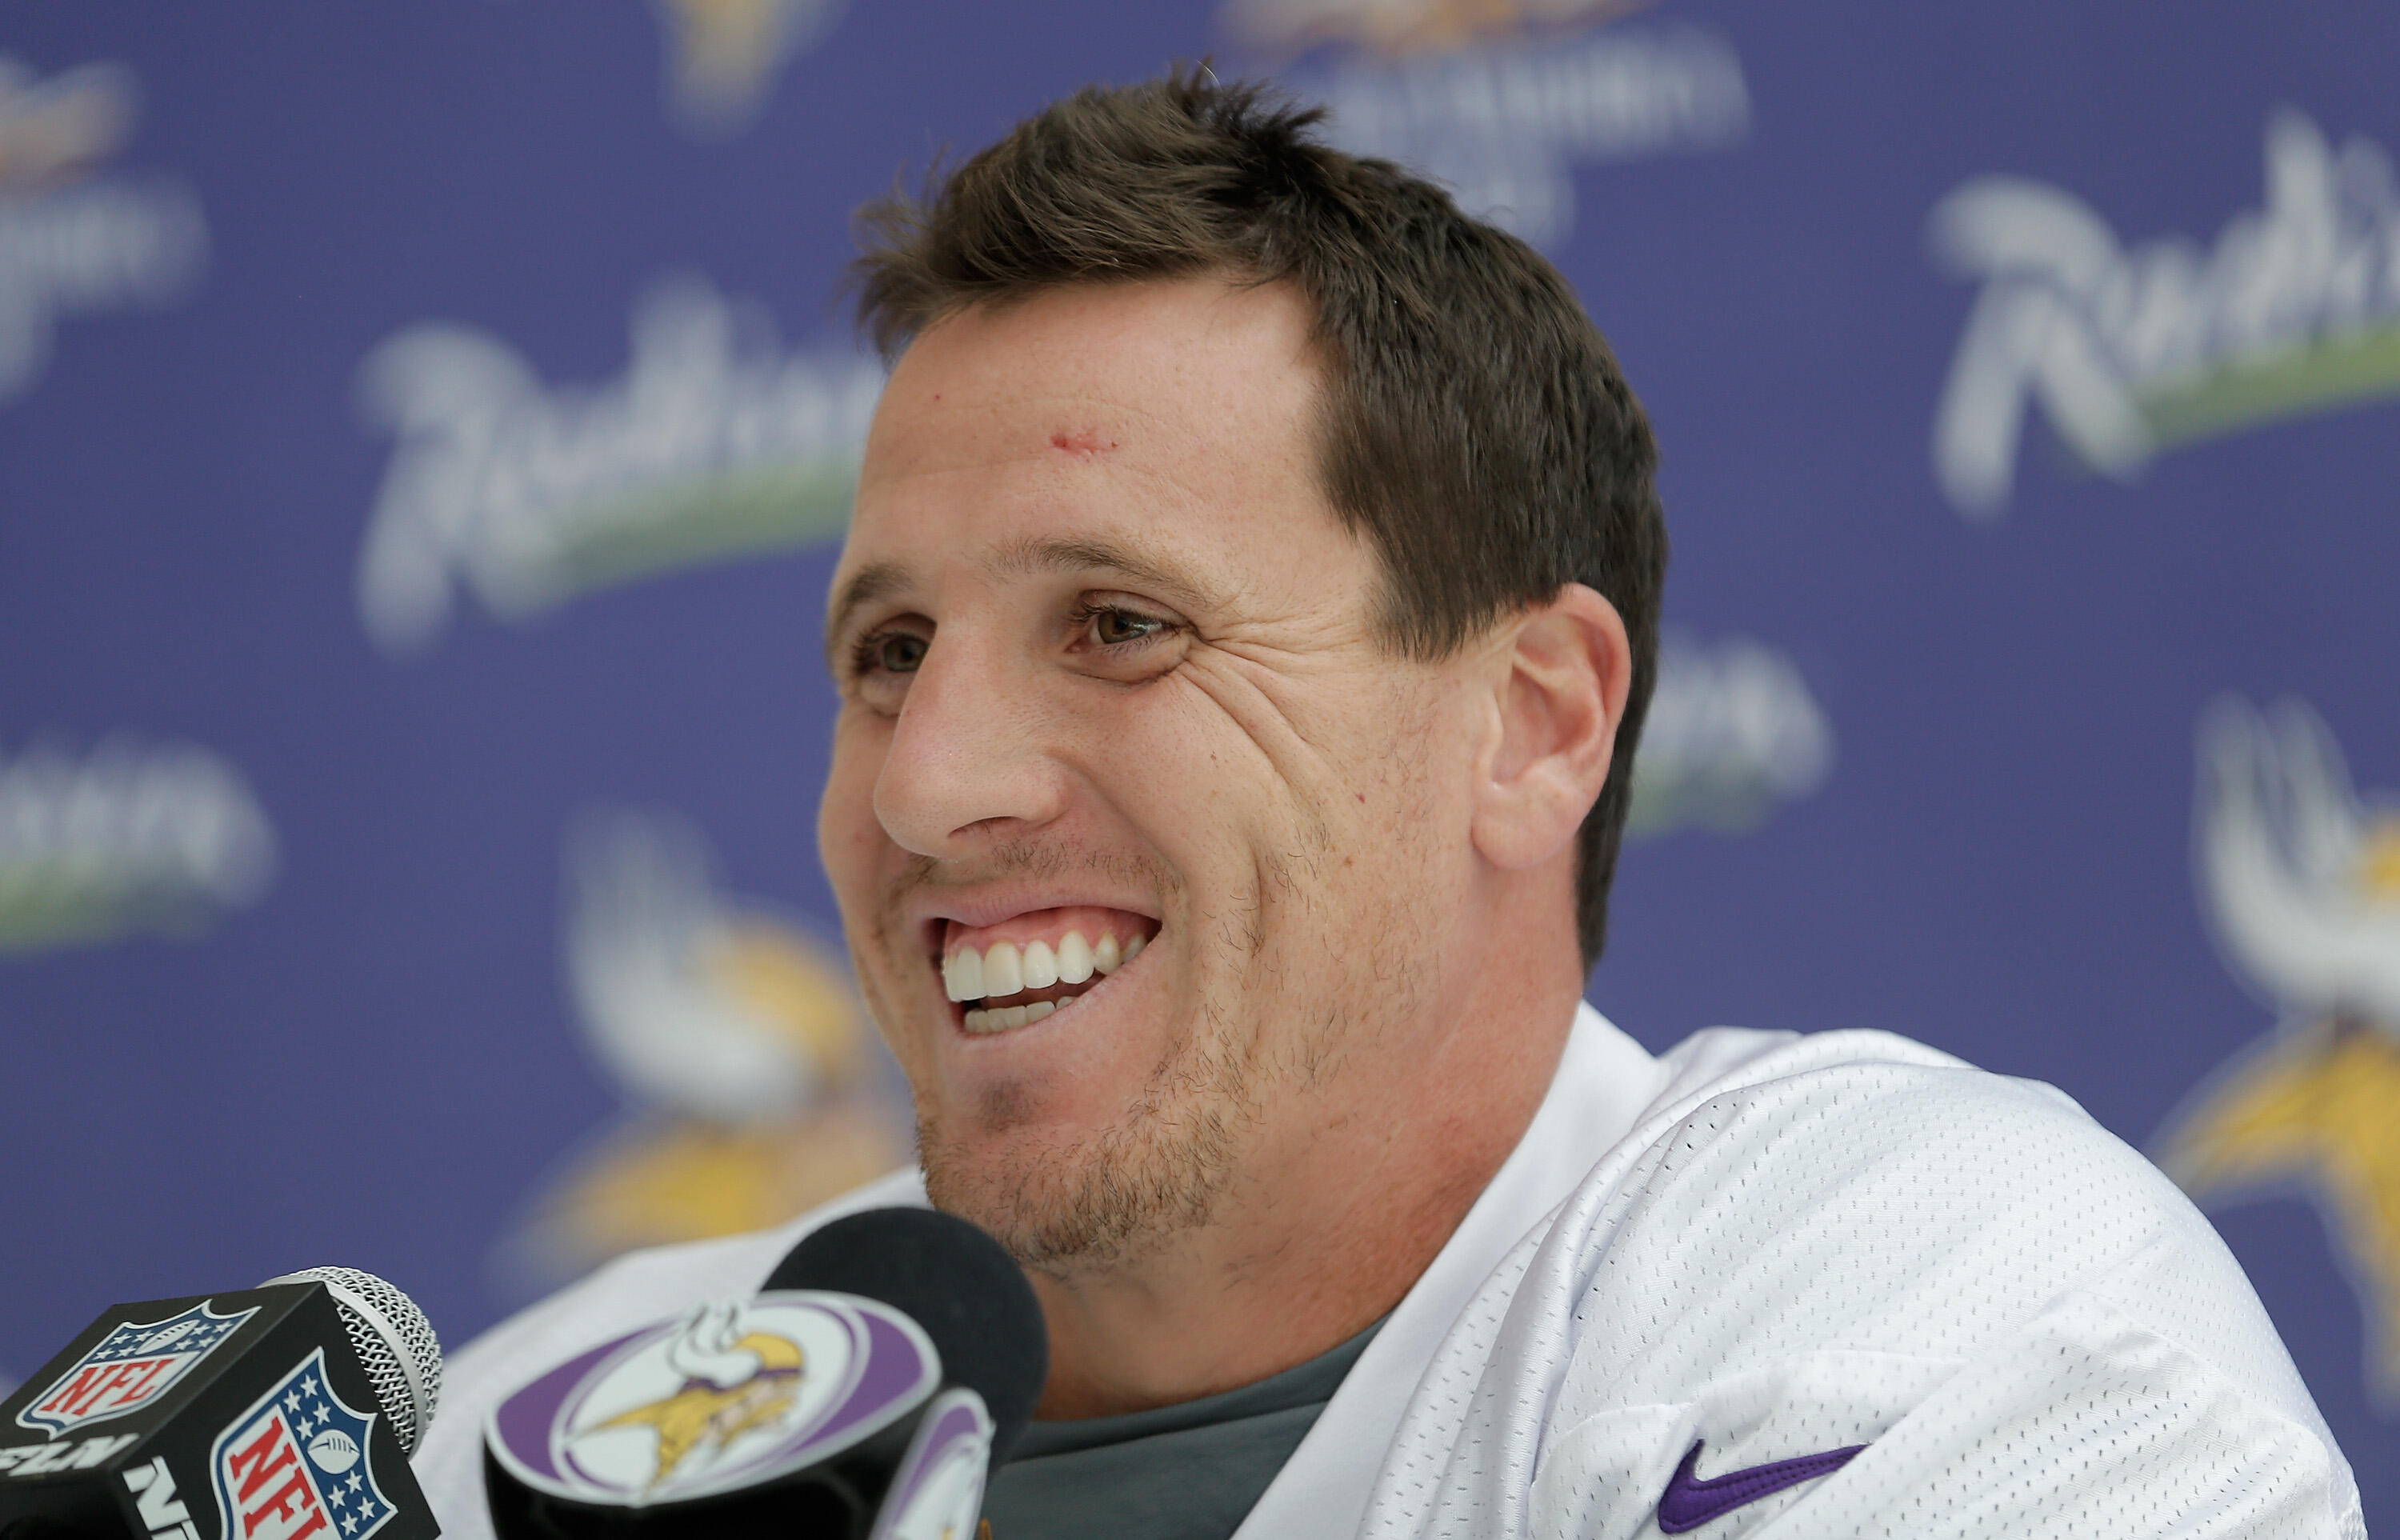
394,1342
952,1279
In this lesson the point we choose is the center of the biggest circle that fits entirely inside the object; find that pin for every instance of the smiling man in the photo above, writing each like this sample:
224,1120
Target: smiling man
1242,636
1208,923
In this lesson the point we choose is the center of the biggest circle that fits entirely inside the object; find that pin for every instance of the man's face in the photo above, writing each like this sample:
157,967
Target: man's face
1138,830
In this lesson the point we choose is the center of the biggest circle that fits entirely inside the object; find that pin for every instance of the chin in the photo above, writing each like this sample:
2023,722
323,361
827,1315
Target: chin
1066,1202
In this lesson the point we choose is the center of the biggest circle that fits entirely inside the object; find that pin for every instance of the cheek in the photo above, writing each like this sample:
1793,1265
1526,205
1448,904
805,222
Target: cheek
1226,762
1180,775
849,840
1398,808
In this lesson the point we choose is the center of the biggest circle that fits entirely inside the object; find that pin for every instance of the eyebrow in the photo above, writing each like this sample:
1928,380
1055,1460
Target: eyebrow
1031,556
1038,554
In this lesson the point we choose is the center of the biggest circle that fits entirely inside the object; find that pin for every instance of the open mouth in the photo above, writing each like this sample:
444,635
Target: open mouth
1032,966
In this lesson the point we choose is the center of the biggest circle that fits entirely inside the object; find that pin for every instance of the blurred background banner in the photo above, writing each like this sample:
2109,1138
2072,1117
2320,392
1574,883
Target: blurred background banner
425,434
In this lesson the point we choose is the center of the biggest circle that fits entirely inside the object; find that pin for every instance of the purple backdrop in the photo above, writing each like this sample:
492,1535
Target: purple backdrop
423,432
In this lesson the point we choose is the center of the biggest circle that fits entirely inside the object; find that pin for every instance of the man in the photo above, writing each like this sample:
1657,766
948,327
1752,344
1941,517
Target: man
1243,634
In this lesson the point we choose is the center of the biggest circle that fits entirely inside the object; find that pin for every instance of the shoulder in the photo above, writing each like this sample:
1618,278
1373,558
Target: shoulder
1858,1189
629,1292
1851,1240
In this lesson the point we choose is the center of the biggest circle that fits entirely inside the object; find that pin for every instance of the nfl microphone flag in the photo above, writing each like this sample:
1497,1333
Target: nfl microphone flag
235,1416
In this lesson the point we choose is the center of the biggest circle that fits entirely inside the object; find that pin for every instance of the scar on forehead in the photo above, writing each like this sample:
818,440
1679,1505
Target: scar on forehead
1085,441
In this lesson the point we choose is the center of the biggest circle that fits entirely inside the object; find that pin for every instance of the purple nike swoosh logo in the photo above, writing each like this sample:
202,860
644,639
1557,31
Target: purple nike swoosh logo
1689,1502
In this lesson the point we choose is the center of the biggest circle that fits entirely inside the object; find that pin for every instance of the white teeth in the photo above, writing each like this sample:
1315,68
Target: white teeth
962,974
1006,969
1007,1016
1004,973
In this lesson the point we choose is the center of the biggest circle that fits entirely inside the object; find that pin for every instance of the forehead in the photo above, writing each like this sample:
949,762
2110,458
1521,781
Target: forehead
1178,416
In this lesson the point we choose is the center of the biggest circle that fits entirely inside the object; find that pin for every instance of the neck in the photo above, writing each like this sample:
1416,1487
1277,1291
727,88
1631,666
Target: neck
1336,1223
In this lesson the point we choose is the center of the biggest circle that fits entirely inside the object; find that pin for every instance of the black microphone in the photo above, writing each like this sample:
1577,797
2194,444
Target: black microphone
865,1394
286,1411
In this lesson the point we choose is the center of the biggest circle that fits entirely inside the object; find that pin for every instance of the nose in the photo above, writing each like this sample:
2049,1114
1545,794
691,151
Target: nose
967,765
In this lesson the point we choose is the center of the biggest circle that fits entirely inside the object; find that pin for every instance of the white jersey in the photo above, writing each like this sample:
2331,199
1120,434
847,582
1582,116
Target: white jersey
1772,1246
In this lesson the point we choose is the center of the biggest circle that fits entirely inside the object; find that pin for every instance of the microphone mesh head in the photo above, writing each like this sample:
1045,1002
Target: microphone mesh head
394,1342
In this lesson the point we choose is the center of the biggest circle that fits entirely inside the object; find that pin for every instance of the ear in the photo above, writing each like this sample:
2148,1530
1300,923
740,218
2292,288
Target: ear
1560,674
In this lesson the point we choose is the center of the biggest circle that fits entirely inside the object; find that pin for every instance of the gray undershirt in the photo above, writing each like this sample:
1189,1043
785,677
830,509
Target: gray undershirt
1188,1472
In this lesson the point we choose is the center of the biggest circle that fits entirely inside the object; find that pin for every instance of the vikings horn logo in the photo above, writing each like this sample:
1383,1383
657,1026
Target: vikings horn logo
2305,883
733,1382
719,1398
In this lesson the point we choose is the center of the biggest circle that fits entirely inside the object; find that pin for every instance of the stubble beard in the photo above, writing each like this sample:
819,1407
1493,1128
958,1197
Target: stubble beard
1075,1205
1072,1208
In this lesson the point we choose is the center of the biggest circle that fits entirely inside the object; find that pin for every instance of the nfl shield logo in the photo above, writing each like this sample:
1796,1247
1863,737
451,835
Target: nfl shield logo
295,1464
130,1369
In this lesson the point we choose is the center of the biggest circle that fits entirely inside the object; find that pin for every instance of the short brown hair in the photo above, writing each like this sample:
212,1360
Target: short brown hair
1477,429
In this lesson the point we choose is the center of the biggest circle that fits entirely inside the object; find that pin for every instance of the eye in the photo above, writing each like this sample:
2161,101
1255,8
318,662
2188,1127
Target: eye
892,651
1115,626
880,662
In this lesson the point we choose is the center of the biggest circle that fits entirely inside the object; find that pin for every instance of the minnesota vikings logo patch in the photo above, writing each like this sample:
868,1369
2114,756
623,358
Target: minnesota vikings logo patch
129,1369
732,1385
730,1395
2304,880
